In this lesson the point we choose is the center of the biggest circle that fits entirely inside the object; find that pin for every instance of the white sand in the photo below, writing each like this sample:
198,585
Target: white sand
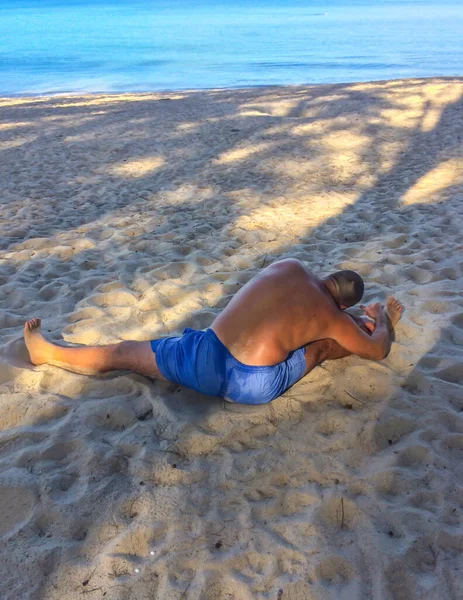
133,216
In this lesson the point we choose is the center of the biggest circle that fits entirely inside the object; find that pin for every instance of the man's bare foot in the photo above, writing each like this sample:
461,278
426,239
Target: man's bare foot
40,351
394,310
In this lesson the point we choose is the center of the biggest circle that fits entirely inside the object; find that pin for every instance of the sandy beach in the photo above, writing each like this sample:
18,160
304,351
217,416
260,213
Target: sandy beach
134,216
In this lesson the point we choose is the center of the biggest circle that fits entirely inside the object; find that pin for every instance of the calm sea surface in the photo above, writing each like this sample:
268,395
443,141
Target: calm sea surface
137,45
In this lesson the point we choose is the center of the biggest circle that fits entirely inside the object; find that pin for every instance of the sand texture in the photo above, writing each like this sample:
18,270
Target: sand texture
134,216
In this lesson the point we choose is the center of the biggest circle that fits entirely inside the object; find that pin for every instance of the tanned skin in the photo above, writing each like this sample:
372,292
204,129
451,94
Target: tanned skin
283,308
286,307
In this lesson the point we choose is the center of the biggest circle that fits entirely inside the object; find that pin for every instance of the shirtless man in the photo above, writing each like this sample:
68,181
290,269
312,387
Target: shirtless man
276,329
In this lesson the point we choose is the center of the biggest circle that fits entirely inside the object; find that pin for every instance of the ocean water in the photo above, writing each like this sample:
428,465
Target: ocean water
53,46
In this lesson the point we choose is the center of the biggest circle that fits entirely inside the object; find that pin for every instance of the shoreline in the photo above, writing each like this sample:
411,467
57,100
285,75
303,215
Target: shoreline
263,87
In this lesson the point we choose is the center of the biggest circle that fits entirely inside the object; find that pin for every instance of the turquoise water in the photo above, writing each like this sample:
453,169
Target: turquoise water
51,46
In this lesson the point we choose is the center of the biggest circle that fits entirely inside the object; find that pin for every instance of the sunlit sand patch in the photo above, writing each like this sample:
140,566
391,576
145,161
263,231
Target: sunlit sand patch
340,171
9,102
431,118
276,130
240,154
72,121
8,126
326,99
91,100
293,108
405,118
254,113
187,126
88,336
17,142
73,100
82,137
434,183
305,129
282,217
424,104
187,193
344,140
446,92
138,168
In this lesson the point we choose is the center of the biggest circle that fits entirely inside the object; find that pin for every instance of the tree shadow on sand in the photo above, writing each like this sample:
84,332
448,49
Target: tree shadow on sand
113,460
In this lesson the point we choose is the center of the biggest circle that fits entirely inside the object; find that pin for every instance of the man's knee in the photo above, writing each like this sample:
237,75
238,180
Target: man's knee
137,356
122,352
126,346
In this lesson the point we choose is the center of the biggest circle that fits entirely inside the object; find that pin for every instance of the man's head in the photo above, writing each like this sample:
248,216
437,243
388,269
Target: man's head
347,287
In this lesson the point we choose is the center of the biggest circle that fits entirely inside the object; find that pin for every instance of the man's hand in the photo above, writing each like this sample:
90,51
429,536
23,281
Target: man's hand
360,336
374,311
365,323
368,323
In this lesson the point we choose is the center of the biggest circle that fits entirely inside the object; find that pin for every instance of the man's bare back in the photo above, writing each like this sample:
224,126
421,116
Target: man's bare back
283,308
286,307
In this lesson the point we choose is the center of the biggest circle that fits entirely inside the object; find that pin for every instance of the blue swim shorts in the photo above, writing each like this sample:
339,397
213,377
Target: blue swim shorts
198,360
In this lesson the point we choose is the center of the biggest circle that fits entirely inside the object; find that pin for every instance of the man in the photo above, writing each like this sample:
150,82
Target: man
276,329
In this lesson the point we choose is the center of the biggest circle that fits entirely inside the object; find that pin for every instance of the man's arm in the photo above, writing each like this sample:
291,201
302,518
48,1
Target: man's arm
349,335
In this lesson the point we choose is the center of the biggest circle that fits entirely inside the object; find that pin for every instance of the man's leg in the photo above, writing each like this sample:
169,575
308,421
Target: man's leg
128,355
321,350
327,349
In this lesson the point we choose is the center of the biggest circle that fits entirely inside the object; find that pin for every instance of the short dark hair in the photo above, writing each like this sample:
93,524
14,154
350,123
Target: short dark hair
350,287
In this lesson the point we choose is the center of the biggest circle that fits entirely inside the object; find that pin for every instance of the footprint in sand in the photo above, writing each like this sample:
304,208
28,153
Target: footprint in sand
457,321
15,354
18,505
425,500
452,374
67,488
413,456
114,298
417,275
436,307
335,570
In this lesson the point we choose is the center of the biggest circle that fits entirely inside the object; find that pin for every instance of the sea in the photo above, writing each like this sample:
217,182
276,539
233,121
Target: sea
60,46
